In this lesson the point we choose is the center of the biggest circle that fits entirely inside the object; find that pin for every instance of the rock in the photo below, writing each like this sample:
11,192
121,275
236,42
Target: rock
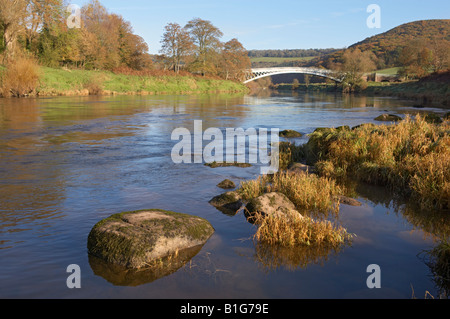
300,168
343,128
217,164
348,201
269,204
290,134
135,239
230,201
388,118
226,184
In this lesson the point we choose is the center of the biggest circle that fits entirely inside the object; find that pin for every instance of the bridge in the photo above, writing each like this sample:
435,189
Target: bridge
258,73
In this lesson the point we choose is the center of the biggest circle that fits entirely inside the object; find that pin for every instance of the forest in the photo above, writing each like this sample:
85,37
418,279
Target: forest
50,34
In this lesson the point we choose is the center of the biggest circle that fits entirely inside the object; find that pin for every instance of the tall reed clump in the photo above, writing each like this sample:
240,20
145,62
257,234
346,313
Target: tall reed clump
293,229
411,157
308,192
20,78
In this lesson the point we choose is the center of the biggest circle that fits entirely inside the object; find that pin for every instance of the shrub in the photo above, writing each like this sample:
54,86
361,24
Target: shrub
20,77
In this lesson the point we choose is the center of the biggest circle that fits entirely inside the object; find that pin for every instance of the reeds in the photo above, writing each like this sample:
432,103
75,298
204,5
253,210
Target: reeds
308,192
293,229
412,157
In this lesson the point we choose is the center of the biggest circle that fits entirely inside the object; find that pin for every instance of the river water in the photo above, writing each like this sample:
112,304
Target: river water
68,162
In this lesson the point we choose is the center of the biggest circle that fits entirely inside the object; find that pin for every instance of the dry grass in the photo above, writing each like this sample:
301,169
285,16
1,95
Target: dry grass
293,229
308,192
412,157
20,78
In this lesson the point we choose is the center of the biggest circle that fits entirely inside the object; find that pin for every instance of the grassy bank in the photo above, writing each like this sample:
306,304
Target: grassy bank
54,82
411,157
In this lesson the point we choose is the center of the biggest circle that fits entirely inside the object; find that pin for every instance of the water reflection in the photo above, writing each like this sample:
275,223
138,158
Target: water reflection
121,276
274,257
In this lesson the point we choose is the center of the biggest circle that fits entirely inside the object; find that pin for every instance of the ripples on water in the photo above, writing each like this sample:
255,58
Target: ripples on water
67,163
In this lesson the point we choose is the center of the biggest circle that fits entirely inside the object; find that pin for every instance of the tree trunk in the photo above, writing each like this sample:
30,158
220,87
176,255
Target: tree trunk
10,42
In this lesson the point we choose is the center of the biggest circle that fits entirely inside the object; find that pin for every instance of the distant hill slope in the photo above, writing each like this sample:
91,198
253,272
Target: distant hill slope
401,35
387,45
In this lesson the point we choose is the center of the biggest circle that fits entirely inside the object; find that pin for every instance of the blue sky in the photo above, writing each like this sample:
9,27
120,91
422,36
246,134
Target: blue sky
274,24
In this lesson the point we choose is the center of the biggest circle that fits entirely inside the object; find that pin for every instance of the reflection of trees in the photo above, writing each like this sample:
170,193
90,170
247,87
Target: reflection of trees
273,257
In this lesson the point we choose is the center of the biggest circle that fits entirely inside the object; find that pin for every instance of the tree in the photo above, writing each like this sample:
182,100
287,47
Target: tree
176,45
207,40
354,64
12,15
234,60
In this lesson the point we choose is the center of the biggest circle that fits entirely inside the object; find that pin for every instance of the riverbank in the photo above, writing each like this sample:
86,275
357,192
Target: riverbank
66,82
431,91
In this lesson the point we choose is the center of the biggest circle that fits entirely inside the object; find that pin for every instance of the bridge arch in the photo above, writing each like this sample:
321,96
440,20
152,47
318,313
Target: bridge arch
258,73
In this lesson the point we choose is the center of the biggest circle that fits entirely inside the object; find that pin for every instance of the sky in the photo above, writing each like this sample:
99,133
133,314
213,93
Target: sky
274,24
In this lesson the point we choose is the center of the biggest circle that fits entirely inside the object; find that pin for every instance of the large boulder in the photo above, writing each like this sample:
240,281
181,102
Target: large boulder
135,239
269,204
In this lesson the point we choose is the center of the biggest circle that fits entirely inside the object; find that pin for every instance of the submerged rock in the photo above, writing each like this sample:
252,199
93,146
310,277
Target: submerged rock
229,201
222,164
269,204
348,201
290,134
388,118
135,239
226,184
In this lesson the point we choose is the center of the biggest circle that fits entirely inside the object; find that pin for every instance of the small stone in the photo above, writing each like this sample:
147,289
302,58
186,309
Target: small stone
226,184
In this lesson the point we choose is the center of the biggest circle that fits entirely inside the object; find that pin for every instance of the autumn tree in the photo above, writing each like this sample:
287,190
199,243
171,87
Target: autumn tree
422,56
177,45
353,66
206,37
234,60
12,16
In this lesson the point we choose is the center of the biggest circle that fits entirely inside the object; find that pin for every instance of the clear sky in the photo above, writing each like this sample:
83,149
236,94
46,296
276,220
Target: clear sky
275,24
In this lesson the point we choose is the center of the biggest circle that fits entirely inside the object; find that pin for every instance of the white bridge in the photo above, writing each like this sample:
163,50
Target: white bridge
259,73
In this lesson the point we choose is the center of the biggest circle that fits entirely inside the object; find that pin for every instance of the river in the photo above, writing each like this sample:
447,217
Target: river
68,162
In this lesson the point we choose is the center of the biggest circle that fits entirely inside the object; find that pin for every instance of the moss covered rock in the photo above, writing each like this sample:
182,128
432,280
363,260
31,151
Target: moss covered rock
226,184
135,239
229,201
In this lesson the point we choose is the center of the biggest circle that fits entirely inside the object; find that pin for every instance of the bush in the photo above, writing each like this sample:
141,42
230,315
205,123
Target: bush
20,78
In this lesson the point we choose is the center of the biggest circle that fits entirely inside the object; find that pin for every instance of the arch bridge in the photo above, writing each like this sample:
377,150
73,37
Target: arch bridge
258,73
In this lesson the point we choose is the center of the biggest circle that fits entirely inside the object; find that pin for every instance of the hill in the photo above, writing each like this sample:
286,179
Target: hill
387,46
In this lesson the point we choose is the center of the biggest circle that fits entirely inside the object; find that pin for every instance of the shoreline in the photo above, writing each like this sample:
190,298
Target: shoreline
64,82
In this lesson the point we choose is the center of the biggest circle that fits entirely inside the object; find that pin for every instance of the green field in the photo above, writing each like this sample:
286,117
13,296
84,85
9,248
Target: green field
62,82
389,71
